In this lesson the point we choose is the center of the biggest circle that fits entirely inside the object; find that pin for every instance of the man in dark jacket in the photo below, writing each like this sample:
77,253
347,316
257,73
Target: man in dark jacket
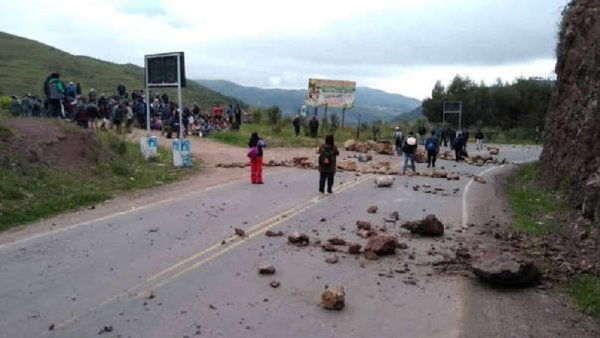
459,143
409,148
328,153
296,124
432,146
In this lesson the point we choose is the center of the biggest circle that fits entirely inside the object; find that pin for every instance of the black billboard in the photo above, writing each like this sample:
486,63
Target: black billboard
162,69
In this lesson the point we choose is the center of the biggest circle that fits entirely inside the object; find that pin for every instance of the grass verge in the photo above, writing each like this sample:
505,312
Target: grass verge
585,293
533,207
31,191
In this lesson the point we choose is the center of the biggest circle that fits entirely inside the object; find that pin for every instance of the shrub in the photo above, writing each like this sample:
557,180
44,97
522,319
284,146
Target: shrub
257,115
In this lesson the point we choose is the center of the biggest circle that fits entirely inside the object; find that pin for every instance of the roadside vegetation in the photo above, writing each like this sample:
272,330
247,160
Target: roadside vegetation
31,190
537,212
534,209
585,293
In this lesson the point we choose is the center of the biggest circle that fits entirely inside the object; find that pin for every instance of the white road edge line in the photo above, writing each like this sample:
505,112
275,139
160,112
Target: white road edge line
465,213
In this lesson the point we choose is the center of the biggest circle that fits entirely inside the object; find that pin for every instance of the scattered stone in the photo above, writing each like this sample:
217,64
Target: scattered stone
347,165
332,260
149,294
372,209
240,232
402,246
429,226
329,248
479,179
493,150
505,269
298,239
354,248
439,174
106,329
363,233
384,181
275,283
333,298
394,215
382,244
51,327
155,229
370,255
268,269
363,225
337,241
271,233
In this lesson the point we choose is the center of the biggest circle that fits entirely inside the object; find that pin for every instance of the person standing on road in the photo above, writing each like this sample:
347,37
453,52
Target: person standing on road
328,153
409,148
459,143
255,153
399,139
296,124
432,146
479,139
314,127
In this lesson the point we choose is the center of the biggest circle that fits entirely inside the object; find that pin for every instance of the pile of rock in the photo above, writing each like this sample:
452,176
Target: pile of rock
382,147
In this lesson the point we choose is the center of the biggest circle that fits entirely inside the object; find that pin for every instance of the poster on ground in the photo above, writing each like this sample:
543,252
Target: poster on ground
333,93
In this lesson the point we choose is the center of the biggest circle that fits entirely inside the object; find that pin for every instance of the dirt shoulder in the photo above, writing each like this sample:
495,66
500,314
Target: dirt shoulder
543,311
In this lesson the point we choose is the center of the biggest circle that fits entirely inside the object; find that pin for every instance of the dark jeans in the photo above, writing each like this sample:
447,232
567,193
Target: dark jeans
329,178
458,152
431,155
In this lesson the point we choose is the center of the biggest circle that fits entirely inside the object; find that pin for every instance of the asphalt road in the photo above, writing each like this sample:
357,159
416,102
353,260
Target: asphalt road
176,268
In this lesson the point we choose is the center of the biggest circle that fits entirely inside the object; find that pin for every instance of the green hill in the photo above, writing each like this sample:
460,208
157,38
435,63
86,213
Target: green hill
24,64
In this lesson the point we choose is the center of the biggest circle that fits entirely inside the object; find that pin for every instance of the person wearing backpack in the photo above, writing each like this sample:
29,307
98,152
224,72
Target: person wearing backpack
328,153
255,153
432,146
409,148
54,90
399,138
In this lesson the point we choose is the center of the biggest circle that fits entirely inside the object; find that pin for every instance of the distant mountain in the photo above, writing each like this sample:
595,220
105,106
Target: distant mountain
414,114
24,64
371,104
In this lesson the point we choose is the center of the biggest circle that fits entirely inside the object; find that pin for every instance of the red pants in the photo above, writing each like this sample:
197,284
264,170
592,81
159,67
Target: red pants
256,169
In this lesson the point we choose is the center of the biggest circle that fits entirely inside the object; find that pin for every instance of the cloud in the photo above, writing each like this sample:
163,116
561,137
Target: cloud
282,43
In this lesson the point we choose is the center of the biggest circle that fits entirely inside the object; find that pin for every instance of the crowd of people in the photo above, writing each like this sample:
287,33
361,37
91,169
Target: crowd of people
456,140
124,110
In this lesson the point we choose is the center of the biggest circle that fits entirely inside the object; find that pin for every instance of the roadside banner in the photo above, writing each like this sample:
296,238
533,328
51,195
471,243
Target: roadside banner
333,93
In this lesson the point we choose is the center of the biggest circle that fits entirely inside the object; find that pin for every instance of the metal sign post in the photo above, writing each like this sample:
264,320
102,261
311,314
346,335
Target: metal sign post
452,107
166,70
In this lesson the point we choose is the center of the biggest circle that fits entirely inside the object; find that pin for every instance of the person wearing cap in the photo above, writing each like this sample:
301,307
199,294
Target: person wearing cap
409,148
399,138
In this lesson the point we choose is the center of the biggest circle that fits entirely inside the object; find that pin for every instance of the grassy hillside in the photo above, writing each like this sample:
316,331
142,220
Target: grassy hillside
24,64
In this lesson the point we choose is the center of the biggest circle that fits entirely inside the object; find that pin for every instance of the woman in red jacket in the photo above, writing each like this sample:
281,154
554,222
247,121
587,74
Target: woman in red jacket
255,153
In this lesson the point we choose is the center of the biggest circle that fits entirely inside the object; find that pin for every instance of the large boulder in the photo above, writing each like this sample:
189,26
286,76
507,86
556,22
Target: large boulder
350,145
347,165
382,244
428,226
505,269
420,156
384,148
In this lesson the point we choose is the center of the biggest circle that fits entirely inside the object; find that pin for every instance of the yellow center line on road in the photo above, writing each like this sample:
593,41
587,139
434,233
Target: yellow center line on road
213,251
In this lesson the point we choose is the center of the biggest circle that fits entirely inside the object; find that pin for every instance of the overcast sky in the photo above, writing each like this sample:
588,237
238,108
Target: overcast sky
400,46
